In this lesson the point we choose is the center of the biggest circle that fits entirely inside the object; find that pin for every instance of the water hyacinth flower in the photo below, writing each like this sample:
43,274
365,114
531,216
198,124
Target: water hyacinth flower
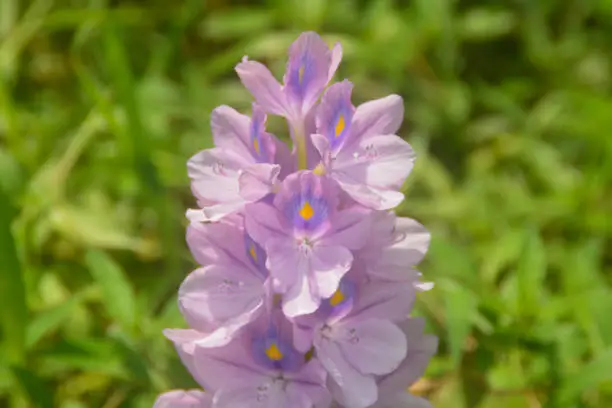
308,240
239,170
359,147
356,338
310,67
306,279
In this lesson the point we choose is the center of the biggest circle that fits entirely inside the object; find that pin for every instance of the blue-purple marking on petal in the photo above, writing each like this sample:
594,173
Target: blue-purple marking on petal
256,255
273,352
307,212
258,146
300,75
342,301
340,125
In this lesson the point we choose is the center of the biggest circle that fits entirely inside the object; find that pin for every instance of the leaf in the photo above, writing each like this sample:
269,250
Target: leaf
595,373
485,24
461,307
37,391
116,289
48,321
516,400
236,23
92,228
13,308
530,274
88,355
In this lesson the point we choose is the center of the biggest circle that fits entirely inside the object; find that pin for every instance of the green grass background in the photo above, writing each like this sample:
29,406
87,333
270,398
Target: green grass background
508,105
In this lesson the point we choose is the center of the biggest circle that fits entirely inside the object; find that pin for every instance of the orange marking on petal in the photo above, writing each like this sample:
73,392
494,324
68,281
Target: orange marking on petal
253,253
306,212
340,125
274,353
336,298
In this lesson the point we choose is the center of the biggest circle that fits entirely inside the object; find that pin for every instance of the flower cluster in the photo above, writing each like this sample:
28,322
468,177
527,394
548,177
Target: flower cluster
307,279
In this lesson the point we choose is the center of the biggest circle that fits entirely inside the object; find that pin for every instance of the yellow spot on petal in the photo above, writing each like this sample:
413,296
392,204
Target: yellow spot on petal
306,212
340,125
274,353
301,74
336,298
253,253
256,146
319,170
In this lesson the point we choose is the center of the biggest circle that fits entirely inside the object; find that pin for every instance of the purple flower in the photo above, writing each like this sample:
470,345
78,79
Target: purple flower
306,283
421,348
262,369
308,239
396,245
360,149
239,170
356,338
183,399
230,291
310,67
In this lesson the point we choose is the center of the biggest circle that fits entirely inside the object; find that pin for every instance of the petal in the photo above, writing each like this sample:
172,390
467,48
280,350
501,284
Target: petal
335,113
257,181
307,71
291,267
374,169
358,390
301,297
285,261
384,300
214,212
328,265
226,367
185,344
284,158
264,87
350,228
231,131
413,243
368,196
263,223
262,144
310,381
373,346
421,348
217,243
214,181
242,397
218,293
305,191
322,146
183,399
336,57
402,400
378,117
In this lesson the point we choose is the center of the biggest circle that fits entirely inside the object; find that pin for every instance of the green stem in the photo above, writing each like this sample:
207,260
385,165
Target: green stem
300,144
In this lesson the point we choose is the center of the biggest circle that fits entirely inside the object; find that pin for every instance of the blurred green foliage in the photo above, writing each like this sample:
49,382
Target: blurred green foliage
508,105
